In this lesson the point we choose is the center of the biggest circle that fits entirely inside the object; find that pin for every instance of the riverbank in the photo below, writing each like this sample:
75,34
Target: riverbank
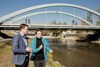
6,56
47,37
96,42
70,38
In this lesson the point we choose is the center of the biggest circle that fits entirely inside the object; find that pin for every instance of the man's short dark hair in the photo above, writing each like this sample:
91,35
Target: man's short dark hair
22,26
37,30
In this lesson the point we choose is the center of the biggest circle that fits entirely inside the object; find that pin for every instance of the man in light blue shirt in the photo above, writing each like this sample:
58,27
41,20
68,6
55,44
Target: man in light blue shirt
39,47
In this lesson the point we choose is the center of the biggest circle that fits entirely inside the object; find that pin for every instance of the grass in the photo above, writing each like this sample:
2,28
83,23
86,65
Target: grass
53,63
6,57
5,54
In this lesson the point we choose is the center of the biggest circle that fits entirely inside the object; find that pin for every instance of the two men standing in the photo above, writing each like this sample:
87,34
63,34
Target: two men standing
39,46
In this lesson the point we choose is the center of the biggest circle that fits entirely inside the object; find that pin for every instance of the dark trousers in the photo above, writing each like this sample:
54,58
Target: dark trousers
25,64
40,63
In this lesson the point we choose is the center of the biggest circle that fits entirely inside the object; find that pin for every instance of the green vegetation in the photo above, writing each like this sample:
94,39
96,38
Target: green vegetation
53,63
6,56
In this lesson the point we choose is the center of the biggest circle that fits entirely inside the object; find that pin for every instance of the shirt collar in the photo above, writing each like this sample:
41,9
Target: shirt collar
21,34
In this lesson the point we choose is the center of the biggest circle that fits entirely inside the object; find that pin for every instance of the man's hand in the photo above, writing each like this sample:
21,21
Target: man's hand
40,47
51,51
28,49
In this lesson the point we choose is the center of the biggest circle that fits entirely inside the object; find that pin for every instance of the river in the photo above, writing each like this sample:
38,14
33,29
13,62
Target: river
76,54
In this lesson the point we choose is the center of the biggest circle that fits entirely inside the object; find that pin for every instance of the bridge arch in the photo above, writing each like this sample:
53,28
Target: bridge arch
43,6
45,12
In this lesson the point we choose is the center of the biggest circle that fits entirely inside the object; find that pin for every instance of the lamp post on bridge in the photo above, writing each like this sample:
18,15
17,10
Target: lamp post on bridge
27,21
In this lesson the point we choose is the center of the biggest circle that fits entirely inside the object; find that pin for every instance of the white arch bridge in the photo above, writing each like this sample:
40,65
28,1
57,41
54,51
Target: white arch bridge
46,26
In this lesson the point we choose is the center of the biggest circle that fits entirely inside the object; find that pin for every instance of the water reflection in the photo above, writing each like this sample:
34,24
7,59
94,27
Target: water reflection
76,54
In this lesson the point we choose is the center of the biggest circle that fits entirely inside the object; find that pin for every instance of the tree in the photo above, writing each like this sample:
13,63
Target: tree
76,23
98,10
53,22
89,17
64,23
83,23
59,23
1,23
98,23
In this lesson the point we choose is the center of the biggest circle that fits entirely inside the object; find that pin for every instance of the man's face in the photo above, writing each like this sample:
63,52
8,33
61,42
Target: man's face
39,34
25,30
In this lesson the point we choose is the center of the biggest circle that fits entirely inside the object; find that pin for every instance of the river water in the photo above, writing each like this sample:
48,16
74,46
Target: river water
75,54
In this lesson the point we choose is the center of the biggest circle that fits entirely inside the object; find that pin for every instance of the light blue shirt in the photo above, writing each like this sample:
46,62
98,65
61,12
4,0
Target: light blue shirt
25,41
